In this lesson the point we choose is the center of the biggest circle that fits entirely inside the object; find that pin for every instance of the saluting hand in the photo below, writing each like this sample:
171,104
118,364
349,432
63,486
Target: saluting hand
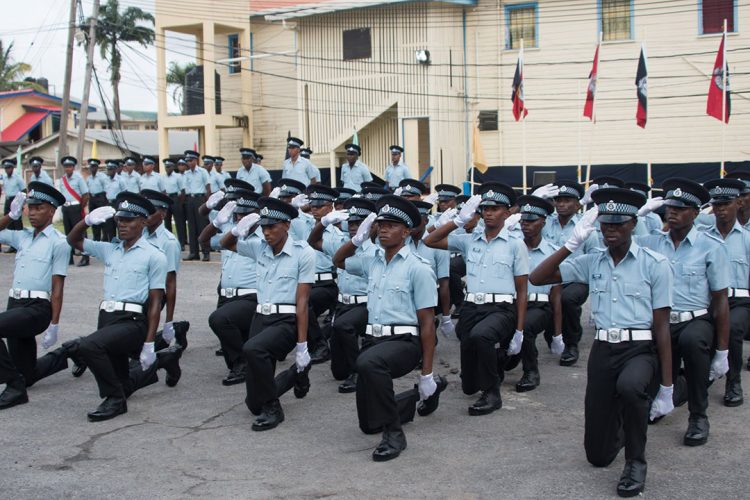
582,230
16,206
468,210
99,216
244,225
445,218
363,232
512,221
431,198
300,201
275,192
587,195
650,206
224,214
546,191
335,217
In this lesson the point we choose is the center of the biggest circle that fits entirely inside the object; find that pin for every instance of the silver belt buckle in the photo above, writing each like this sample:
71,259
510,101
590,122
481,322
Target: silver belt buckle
377,330
265,309
230,292
479,298
109,306
17,293
614,335
674,317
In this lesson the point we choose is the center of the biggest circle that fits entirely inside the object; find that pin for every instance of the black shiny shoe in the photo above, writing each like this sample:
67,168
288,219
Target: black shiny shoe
84,261
511,362
633,479
487,403
191,257
180,333
70,349
169,359
219,352
349,385
569,356
301,382
321,354
528,382
391,446
109,409
733,394
14,394
430,404
697,431
271,416
206,257
237,375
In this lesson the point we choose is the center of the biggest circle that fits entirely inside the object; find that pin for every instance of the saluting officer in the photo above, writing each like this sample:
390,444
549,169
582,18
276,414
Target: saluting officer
97,183
130,177
631,290
150,179
495,308
411,189
354,172
401,300
76,193
12,185
286,272
396,171
700,265
253,173
135,273
37,173
295,166
649,223
36,295
197,188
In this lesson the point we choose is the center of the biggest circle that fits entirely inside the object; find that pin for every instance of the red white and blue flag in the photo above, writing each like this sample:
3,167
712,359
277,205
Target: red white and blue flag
519,105
716,92
641,85
588,108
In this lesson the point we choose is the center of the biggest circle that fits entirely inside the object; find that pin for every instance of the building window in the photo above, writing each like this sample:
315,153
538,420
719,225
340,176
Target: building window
616,19
521,24
712,14
234,52
357,44
488,120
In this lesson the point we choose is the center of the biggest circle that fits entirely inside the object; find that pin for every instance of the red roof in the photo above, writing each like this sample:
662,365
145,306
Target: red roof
19,128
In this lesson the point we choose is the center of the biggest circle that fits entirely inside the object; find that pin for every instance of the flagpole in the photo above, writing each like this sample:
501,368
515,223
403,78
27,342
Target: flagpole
724,69
593,110
578,110
523,127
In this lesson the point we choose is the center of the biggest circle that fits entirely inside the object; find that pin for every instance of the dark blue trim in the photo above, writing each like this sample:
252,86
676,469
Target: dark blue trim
20,93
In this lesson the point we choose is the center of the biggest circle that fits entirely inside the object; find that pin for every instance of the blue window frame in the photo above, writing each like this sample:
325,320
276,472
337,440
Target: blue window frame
711,15
521,22
233,44
615,19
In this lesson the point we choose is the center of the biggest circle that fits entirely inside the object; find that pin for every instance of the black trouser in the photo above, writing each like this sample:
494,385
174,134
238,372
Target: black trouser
739,324
196,223
538,319
455,283
231,323
178,211
96,201
272,337
692,342
109,229
323,296
380,361
622,381
71,216
14,224
349,322
107,351
574,295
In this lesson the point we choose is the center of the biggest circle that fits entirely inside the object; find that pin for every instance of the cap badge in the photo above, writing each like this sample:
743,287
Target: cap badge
527,208
678,193
489,193
125,205
407,187
386,209
563,189
353,210
610,206
264,211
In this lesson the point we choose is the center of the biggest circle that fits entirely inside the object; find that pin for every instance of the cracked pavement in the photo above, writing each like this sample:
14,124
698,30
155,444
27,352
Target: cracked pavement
194,440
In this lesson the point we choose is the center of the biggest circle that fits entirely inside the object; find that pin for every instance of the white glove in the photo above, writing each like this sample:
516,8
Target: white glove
300,201
167,333
302,357
244,225
662,404
427,386
99,216
334,217
650,206
16,206
363,232
515,343
148,357
557,346
706,210
512,221
50,336
719,365
214,199
398,191
431,198
224,215
546,191
446,326
468,210
274,192
587,195
582,230
445,218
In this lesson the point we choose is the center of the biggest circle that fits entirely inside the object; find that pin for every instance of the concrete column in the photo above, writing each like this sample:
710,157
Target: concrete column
246,90
209,94
161,94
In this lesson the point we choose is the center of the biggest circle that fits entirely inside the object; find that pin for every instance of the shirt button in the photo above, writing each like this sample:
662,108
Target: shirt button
614,300
614,278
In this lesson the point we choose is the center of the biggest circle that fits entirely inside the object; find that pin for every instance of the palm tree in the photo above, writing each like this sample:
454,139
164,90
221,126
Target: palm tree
11,72
176,77
115,28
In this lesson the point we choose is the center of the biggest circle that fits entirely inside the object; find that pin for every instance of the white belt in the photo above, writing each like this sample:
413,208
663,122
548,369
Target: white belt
71,203
17,293
456,254
738,292
112,306
538,297
617,335
488,298
267,309
324,276
388,330
236,292
352,299
682,316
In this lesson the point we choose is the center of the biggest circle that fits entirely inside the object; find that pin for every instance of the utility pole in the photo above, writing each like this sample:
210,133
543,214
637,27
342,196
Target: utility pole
62,148
87,81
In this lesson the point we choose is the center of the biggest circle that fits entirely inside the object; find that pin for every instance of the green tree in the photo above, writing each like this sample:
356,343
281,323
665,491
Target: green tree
176,78
12,73
114,29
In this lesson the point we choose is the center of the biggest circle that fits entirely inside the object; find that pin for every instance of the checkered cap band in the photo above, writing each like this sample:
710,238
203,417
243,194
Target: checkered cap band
373,196
409,189
423,210
132,207
617,208
533,209
395,212
191,156
67,162
449,194
569,190
321,196
35,163
679,194
394,150
247,202
723,192
294,143
38,195
359,212
289,190
111,164
494,196
270,213
168,162
148,161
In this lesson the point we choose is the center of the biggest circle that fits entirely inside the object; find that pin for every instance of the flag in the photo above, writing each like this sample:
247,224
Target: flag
519,104
641,85
716,88
477,152
355,137
286,149
588,108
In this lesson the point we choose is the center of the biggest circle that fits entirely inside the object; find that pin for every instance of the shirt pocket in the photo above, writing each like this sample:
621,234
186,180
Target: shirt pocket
502,266
36,266
134,279
599,289
638,295
695,276
740,269
398,291
474,263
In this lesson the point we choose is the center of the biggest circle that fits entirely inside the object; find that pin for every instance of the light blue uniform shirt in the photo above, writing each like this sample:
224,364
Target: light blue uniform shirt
395,174
132,181
43,177
37,259
349,284
256,176
238,271
167,243
97,184
76,183
300,229
738,246
195,180
396,290
536,256
113,186
353,177
302,170
491,266
622,296
216,179
129,275
439,260
700,265
12,185
278,275
557,234
173,183
152,181
652,223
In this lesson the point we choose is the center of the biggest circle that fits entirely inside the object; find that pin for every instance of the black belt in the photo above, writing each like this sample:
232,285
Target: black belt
172,195
196,195
98,194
